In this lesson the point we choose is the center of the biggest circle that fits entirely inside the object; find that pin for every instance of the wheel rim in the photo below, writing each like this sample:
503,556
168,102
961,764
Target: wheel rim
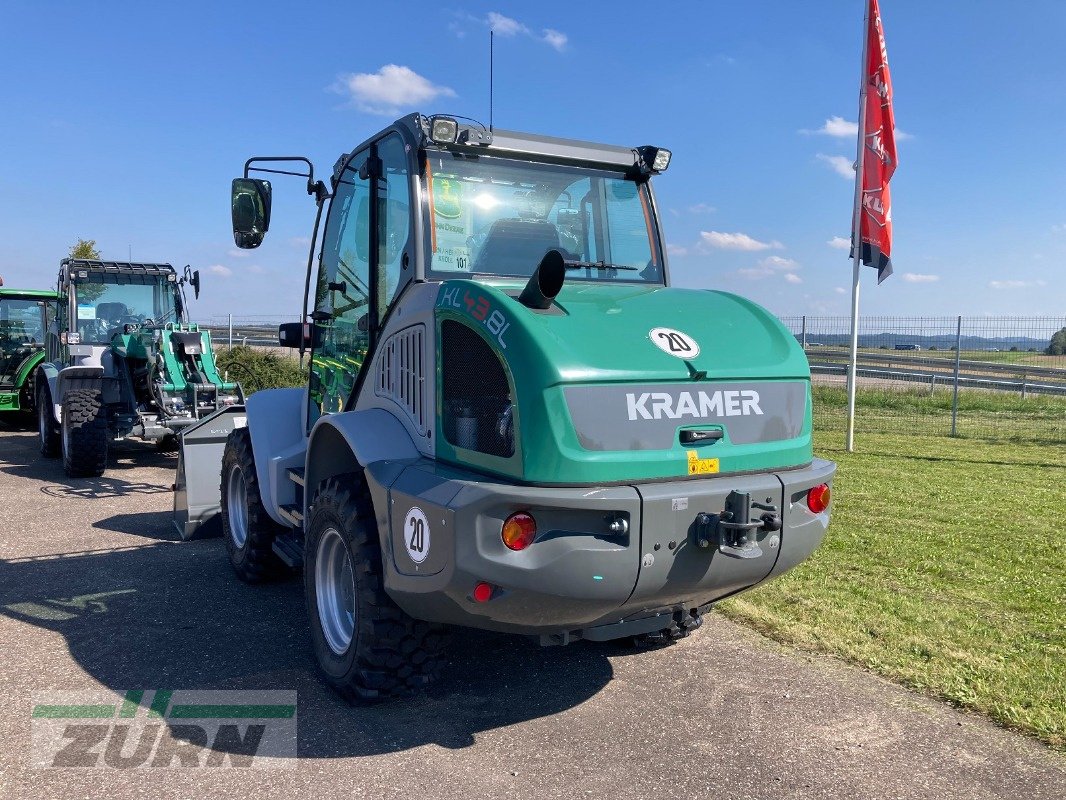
335,590
237,506
42,419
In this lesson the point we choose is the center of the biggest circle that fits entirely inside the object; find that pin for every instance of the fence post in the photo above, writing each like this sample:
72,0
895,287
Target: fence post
955,395
231,331
803,332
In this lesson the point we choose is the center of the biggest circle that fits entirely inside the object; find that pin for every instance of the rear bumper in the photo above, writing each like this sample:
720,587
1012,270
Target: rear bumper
578,579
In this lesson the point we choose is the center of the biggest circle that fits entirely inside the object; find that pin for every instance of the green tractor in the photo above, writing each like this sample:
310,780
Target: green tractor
512,420
24,318
123,362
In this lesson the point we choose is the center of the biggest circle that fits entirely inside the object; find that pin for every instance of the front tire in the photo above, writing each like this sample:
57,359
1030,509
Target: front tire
248,529
366,646
84,434
47,430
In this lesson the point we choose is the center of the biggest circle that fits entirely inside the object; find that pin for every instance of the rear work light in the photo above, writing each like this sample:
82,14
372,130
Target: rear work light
519,530
818,498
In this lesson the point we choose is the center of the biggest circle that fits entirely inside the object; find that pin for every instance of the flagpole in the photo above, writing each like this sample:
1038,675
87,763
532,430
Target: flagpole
856,234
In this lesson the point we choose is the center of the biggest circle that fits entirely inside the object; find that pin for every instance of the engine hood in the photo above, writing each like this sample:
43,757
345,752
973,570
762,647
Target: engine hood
615,372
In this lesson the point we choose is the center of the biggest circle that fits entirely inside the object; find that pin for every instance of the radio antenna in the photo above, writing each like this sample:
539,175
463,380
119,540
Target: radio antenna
491,37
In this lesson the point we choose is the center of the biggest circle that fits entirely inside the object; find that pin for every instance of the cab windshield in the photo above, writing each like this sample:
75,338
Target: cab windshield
496,216
102,309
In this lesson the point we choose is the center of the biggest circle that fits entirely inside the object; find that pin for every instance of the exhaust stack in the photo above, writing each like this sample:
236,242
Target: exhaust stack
545,282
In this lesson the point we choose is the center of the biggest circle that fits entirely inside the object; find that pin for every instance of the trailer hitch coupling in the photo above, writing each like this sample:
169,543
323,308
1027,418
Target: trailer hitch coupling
734,531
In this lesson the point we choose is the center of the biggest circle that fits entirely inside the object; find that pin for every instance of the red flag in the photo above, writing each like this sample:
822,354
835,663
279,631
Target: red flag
878,152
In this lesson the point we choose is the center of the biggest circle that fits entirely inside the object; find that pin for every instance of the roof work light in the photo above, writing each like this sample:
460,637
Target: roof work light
443,130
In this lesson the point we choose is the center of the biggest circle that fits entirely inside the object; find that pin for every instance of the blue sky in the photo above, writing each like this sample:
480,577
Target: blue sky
124,123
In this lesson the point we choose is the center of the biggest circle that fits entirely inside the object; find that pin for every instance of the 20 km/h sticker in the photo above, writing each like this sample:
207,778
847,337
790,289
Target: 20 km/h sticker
674,342
416,535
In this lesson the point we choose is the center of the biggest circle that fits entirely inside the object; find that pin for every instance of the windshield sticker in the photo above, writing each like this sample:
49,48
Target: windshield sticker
674,342
480,308
86,312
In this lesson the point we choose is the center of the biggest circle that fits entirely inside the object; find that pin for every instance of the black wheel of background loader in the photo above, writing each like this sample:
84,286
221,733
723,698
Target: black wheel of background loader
83,433
47,430
248,529
167,444
365,645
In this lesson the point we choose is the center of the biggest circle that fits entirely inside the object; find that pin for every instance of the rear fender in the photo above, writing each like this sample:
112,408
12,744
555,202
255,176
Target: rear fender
48,375
372,440
71,378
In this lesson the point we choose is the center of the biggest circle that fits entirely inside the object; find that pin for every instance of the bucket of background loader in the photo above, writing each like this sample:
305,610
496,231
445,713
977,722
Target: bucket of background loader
197,492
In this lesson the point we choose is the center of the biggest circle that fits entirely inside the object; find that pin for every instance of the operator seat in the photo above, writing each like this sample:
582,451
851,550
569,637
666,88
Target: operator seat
112,312
515,246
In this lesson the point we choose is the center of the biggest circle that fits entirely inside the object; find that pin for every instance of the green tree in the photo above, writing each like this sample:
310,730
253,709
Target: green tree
1057,347
85,248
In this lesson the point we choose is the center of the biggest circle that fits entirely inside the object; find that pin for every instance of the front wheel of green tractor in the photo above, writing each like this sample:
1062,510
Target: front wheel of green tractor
247,528
47,430
84,433
366,646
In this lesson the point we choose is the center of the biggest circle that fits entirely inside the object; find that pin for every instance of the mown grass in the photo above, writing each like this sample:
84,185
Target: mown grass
982,414
944,569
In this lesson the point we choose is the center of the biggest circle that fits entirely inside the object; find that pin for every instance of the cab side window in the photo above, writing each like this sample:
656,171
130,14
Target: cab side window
394,219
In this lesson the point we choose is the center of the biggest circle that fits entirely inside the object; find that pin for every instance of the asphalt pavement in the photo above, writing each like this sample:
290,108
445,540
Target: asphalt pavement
97,592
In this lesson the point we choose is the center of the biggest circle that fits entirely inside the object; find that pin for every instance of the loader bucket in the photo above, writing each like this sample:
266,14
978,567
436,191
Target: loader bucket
197,498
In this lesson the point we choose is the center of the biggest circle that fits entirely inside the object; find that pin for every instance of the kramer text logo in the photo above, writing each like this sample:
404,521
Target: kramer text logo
164,729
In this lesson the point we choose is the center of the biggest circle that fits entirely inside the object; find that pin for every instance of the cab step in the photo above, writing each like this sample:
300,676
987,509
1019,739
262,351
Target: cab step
293,514
289,550
296,475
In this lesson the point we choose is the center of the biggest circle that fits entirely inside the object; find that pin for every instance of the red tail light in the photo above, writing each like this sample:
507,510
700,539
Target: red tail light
518,531
483,592
818,498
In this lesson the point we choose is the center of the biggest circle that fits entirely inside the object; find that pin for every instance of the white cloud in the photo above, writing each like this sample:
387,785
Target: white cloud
300,241
389,90
255,269
1059,228
1015,284
773,266
841,165
840,290
916,277
702,208
235,253
736,241
777,262
676,250
839,243
838,127
841,128
556,39
505,26
218,269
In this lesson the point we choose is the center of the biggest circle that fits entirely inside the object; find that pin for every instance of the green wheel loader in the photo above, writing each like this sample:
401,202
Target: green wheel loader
123,362
512,421
24,318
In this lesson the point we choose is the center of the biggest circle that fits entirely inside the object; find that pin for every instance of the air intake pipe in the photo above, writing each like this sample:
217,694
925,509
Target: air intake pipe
545,282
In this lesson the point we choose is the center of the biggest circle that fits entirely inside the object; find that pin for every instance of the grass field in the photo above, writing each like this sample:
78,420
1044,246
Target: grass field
944,569
982,414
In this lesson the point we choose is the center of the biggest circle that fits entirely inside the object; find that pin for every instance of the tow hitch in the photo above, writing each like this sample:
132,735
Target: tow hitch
734,530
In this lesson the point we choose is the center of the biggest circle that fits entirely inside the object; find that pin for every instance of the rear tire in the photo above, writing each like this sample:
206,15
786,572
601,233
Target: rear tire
83,433
47,430
248,529
366,646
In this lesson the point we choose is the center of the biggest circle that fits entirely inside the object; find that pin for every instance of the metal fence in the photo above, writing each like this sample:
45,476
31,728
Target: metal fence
979,377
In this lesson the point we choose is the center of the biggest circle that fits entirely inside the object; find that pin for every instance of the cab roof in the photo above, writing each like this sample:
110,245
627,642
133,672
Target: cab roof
27,294
117,267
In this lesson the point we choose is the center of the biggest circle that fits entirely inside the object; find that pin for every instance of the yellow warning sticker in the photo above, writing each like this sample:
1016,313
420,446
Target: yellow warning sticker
701,466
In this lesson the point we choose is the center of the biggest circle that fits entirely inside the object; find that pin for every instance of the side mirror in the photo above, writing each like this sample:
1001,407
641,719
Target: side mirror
250,210
293,334
195,282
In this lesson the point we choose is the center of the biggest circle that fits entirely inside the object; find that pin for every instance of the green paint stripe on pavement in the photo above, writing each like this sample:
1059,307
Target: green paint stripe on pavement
131,703
73,712
246,711
160,703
